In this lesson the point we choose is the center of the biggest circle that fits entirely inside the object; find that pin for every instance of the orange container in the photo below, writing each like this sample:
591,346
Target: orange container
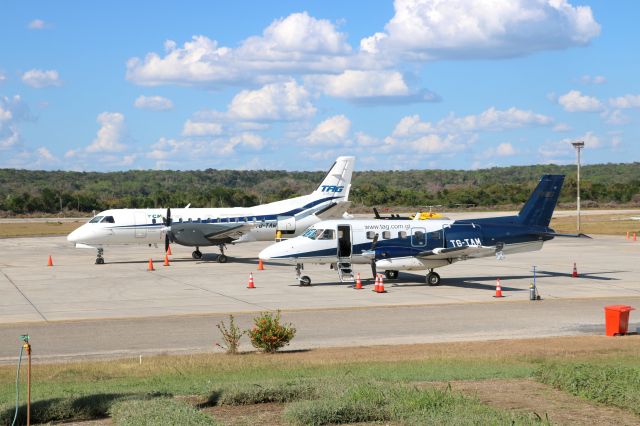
617,319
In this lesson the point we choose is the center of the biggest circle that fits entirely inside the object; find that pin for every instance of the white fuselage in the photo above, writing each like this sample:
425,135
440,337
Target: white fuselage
404,239
145,226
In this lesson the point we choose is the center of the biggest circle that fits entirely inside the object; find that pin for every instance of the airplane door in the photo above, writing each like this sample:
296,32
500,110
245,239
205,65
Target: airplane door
418,237
344,241
462,234
140,219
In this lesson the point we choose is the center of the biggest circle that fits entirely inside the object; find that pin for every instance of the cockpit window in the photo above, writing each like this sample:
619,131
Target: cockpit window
310,233
108,219
327,234
96,219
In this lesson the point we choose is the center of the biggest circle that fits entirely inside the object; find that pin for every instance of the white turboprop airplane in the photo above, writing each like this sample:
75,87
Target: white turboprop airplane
199,227
395,244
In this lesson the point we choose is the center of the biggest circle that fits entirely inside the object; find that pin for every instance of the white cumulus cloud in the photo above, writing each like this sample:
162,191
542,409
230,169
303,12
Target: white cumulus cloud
291,45
39,78
332,131
445,29
595,79
201,128
575,101
111,133
37,24
273,102
154,103
13,111
625,102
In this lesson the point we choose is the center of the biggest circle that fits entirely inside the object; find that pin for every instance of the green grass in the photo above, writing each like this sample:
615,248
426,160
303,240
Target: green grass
376,402
311,383
611,385
159,411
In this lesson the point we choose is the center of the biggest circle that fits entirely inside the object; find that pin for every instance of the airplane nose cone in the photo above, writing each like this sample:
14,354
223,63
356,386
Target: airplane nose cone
267,253
74,236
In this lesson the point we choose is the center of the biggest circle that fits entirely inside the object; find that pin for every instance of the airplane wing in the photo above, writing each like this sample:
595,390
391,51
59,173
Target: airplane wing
334,210
457,252
195,233
553,234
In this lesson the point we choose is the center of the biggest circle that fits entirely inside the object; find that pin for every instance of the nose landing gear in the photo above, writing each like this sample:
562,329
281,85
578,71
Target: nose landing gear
99,258
432,278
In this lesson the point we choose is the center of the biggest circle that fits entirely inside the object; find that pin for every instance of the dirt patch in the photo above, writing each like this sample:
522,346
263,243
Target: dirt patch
240,415
528,396
37,229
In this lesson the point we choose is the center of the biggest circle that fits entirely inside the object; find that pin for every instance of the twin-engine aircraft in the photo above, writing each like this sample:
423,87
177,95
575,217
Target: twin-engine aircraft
407,245
199,227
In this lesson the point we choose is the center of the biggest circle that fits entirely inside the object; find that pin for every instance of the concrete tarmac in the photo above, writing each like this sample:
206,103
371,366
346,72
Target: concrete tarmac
78,309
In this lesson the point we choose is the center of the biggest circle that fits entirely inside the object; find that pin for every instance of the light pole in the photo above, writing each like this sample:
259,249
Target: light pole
578,145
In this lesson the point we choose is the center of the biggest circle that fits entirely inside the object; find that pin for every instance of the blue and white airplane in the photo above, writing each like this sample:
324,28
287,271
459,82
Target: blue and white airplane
396,245
199,227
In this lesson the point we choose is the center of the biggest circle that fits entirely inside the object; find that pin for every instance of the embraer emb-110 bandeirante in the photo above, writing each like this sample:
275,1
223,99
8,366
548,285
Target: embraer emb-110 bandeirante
396,245
198,227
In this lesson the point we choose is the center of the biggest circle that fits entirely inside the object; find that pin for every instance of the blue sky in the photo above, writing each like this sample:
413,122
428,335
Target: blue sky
411,84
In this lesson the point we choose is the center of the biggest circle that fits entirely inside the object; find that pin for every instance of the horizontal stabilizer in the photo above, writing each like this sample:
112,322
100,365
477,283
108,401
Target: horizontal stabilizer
334,210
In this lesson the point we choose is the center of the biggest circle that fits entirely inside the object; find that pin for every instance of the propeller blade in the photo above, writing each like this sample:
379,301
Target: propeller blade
167,219
374,242
166,242
375,211
373,268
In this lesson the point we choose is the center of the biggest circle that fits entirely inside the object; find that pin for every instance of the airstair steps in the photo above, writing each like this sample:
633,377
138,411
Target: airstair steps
345,271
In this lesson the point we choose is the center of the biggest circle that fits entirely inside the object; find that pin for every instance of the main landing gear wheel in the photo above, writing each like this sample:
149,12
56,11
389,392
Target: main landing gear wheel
197,254
433,278
305,281
391,275
222,258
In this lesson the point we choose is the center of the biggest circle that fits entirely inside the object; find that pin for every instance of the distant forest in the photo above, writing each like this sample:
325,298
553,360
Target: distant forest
27,191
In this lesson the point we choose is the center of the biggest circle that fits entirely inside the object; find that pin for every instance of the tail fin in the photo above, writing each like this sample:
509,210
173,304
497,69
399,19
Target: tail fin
539,207
338,180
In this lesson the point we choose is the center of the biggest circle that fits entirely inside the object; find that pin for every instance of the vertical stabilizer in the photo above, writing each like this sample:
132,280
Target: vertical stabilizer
539,207
338,181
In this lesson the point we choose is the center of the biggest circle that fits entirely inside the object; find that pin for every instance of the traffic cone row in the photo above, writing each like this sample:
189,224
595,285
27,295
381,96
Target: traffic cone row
379,284
498,289
251,284
631,236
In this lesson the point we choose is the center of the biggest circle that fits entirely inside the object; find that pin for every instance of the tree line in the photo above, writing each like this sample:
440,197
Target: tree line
29,191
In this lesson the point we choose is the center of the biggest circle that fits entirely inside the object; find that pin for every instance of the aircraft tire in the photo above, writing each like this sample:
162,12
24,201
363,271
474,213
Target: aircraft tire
99,261
222,258
433,279
391,275
305,281
197,254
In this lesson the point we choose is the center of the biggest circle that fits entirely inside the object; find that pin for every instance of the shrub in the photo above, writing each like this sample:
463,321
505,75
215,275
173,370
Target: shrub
268,334
230,335
159,411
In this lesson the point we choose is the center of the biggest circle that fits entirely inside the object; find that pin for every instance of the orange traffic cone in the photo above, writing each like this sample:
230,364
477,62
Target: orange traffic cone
634,236
376,283
627,235
358,282
260,265
251,284
381,285
150,268
166,259
498,289
575,271
169,251
50,261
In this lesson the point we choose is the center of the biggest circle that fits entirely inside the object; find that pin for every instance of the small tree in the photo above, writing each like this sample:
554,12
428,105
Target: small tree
268,334
231,336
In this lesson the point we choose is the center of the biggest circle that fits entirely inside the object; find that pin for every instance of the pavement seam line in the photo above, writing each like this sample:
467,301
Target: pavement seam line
24,296
213,292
